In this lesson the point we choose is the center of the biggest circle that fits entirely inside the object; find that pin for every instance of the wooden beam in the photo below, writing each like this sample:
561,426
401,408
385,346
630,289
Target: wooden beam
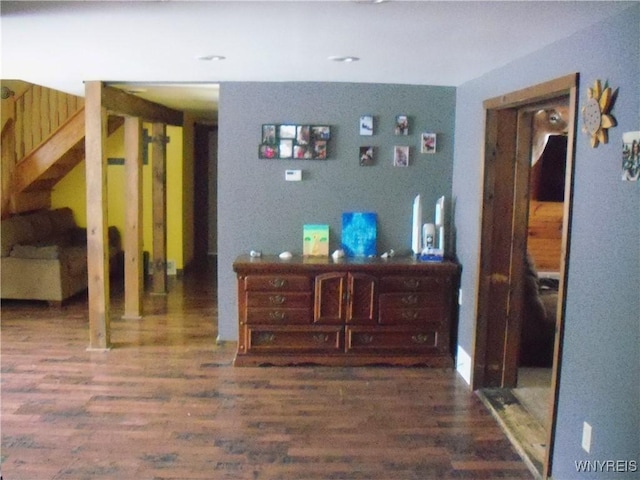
133,268
122,103
97,241
159,208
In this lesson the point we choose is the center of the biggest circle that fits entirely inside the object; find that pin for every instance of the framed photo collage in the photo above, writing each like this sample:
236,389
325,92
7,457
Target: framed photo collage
295,142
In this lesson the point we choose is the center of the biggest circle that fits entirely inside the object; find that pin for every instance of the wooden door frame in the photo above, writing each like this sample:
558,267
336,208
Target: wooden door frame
506,158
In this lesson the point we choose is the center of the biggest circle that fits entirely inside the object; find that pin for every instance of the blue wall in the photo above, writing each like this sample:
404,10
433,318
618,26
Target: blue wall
258,210
600,381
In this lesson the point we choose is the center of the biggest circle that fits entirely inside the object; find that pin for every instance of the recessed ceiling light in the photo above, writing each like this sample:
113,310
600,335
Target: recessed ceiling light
210,58
347,59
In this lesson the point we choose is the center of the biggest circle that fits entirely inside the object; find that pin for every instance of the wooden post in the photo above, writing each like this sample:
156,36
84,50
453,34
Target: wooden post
133,268
97,242
159,208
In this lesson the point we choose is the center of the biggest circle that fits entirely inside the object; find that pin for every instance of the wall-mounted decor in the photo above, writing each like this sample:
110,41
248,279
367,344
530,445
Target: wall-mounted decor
428,143
289,141
366,125
400,156
595,113
402,125
631,156
366,156
359,234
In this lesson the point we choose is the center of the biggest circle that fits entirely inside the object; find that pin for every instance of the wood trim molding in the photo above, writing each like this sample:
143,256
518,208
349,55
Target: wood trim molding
121,103
541,92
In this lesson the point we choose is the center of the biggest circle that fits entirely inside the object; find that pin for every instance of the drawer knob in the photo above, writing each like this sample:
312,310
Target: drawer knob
265,338
410,300
420,338
277,299
409,315
277,282
412,283
277,315
321,337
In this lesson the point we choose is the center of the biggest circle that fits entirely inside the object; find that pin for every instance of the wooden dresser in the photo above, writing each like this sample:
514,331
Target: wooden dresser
353,311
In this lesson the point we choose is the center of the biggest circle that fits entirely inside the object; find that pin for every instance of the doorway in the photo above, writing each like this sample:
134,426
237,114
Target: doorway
505,265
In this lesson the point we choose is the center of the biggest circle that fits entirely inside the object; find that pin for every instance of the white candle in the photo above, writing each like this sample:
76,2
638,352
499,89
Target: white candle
417,226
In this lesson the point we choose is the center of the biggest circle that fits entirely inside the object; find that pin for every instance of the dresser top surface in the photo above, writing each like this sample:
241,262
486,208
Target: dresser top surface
268,263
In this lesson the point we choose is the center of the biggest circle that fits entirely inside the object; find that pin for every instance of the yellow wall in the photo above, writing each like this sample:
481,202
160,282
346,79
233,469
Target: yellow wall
71,192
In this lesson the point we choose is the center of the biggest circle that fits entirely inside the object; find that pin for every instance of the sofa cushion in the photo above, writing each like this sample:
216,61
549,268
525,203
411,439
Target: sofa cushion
44,252
41,223
62,220
15,230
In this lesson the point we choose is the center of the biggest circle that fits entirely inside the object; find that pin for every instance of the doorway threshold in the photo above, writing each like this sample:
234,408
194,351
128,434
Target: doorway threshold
524,431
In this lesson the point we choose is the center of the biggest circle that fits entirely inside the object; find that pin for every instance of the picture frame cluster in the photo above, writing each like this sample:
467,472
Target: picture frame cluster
294,142
401,153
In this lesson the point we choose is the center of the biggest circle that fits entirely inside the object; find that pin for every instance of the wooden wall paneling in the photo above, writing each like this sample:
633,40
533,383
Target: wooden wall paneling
159,209
97,251
133,266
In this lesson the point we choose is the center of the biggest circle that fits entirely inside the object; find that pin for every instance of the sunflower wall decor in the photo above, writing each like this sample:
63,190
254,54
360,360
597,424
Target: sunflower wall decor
595,113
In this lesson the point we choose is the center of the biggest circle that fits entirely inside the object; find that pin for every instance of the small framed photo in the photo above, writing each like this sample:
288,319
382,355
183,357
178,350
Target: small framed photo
366,156
268,151
366,125
400,156
428,143
287,131
286,148
631,156
321,132
319,150
302,152
303,134
269,134
402,125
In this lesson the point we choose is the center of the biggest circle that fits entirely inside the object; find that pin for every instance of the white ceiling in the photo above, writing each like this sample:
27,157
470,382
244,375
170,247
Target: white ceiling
157,43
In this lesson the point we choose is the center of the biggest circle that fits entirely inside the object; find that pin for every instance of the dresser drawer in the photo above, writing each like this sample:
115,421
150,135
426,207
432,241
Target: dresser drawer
411,316
268,283
294,339
279,316
409,300
393,340
278,300
412,284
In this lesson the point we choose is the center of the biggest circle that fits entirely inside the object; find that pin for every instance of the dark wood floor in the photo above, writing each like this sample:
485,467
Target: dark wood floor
166,403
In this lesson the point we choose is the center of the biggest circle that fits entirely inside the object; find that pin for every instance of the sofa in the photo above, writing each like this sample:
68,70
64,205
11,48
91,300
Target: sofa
540,298
44,256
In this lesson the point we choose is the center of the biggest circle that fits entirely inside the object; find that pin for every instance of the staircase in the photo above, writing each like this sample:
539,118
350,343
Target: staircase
42,140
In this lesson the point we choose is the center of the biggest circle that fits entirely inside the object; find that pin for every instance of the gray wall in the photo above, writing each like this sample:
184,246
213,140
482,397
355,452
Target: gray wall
258,210
600,381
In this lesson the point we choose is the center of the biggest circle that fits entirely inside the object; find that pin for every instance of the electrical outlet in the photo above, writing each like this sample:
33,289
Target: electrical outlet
459,296
586,437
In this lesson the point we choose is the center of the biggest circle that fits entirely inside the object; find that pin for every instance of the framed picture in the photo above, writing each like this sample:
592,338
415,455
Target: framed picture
268,151
287,131
402,125
269,134
292,141
302,152
631,156
319,150
303,134
366,125
428,143
286,148
321,132
400,156
366,156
